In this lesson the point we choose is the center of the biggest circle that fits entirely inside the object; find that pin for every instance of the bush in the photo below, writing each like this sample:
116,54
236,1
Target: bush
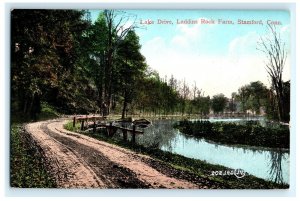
47,112
247,133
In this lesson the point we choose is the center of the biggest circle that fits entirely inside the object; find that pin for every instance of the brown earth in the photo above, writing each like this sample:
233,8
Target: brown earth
79,161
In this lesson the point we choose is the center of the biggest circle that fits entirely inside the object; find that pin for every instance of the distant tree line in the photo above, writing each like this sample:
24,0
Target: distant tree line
78,66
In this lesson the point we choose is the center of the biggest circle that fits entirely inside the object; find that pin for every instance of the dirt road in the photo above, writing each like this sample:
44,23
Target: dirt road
79,161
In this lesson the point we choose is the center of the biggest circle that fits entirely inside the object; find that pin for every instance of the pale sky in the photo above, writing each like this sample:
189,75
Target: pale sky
220,58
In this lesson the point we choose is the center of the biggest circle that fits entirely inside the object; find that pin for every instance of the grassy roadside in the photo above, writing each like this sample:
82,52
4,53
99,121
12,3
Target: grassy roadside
27,164
198,167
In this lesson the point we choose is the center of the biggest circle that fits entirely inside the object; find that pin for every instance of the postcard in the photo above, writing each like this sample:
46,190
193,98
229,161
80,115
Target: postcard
150,99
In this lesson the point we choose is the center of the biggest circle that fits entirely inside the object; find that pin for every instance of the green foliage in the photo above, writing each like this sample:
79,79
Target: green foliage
272,105
249,133
218,103
131,68
69,126
253,96
202,105
156,96
27,165
44,50
47,112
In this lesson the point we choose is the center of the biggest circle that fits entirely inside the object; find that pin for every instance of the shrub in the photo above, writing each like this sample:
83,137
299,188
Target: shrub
247,133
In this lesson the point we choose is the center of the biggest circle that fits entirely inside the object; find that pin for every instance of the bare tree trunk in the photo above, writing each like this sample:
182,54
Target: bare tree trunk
274,49
116,32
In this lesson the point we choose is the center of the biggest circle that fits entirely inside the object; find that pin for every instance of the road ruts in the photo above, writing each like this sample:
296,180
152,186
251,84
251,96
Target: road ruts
79,161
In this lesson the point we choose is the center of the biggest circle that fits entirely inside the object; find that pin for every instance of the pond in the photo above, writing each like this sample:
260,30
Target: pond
269,164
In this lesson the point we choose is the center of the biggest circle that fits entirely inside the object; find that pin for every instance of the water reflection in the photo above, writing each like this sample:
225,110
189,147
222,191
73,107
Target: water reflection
267,164
161,133
276,172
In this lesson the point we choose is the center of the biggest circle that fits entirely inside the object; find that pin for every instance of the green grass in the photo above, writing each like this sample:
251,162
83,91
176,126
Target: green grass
198,167
27,166
47,112
69,126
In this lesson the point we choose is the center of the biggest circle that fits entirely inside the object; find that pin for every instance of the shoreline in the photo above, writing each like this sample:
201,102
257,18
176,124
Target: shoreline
195,166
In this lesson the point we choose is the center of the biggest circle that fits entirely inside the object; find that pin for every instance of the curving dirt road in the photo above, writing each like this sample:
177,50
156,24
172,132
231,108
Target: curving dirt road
79,161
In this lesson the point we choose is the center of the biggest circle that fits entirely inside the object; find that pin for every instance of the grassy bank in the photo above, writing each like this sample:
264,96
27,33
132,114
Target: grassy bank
197,167
249,133
27,165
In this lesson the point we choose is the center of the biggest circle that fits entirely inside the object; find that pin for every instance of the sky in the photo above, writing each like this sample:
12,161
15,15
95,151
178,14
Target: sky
219,58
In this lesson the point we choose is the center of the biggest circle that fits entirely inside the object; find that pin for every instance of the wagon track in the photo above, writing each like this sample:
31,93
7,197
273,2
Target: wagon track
79,161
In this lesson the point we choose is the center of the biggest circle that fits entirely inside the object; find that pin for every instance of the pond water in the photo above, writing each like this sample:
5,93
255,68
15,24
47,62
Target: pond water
269,164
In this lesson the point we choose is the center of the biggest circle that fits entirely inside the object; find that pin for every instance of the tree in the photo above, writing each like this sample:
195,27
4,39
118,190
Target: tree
258,93
274,49
131,67
96,42
253,96
116,22
243,96
44,52
184,95
286,98
202,104
218,103
232,103
173,83
155,95
107,34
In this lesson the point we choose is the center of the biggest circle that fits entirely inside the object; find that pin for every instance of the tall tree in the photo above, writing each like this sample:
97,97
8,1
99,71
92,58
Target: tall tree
242,97
118,24
131,67
275,51
97,38
232,103
185,93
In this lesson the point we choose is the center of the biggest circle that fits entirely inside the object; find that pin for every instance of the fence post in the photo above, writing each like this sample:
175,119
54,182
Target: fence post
82,125
74,120
110,129
133,134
